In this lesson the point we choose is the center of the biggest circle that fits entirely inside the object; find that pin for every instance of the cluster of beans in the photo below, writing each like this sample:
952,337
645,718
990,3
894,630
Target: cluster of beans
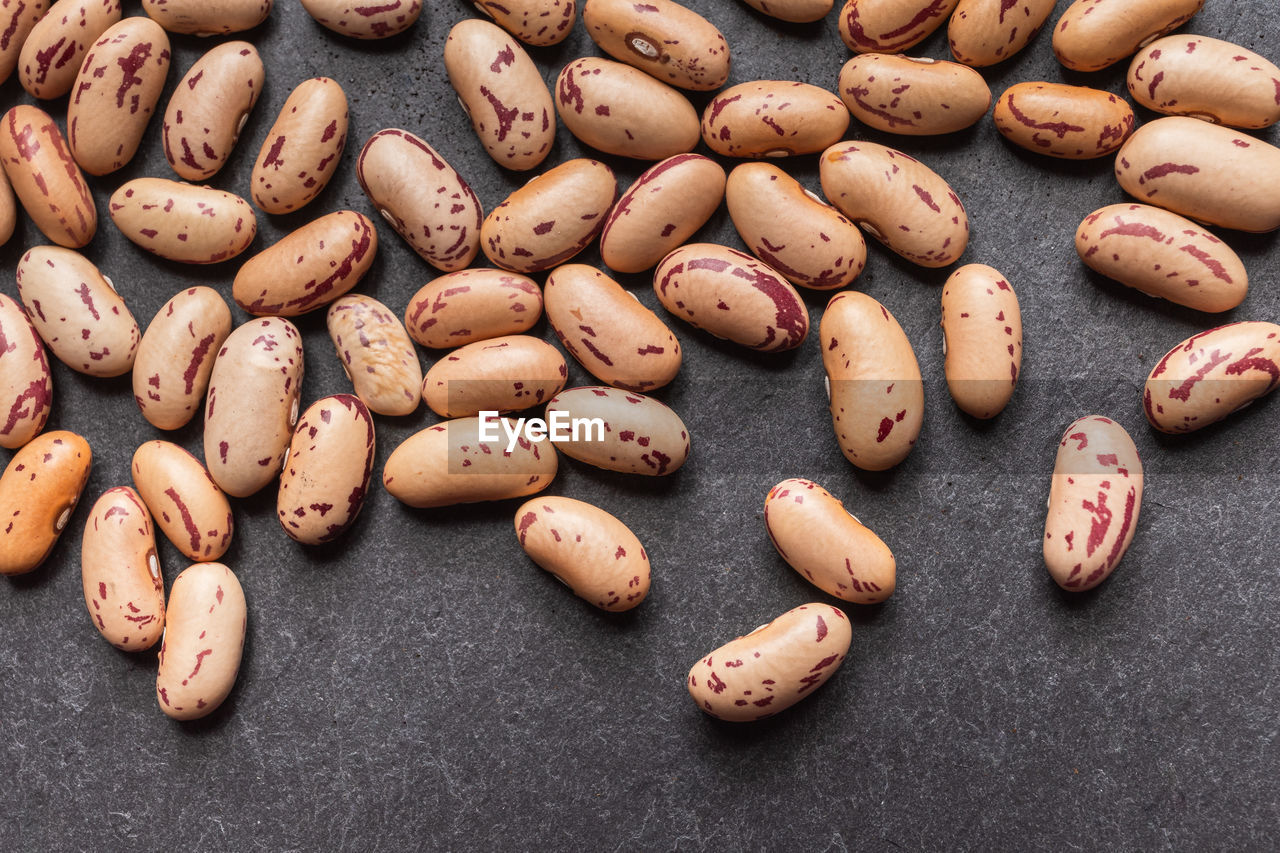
1189,166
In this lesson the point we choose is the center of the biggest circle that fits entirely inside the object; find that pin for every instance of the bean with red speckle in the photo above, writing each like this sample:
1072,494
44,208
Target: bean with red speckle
45,177
26,387
183,222
326,474
891,26
54,48
203,641
912,95
984,32
773,118
187,504
303,147
209,109
505,374
641,434
982,339
472,305
362,19
1094,34
38,492
377,354
1071,122
1208,79
16,22
664,39
535,22
120,571
175,357
207,17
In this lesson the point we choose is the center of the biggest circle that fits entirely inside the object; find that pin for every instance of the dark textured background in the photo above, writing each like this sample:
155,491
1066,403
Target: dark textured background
423,684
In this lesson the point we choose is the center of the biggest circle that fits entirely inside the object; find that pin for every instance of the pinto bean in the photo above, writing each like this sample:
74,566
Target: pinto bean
365,19
984,32
326,474
26,387
620,110
54,48
635,434
174,360
120,572
207,17
913,96
796,11
203,641
45,178
472,305
505,374
38,492
181,222
8,208
1071,122
982,339
302,148
773,118
17,19
377,354
1208,79
536,22
664,39
891,26
188,506
1095,34
209,109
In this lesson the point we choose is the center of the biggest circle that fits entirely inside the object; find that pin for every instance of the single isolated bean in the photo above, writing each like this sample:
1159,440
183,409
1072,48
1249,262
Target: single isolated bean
1212,375
209,109
120,572
183,222
303,147
38,492
26,387
982,339
1070,122
472,305
1094,34
1161,254
507,374
326,474
188,506
45,177
891,26
207,17
1208,173
1093,503
733,296
664,39
773,118
827,544
377,354
913,95
984,32
796,11
619,431
620,110
56,45
1208,79
17,19
774,667
365,19
423,198
536,22
877,394
587,549
660,211
174,360
203,641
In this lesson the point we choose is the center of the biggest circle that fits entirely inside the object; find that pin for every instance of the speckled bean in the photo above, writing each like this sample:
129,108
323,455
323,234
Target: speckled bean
1093,503
326,474
207,17
796,11
423,198
472,305
877,394
1212,375
77,311
506,374
609,331
664,39
174,360
17,18
660,211
896,199
303,147
911,95
45,177
773,667
182,222
115,94
502,92
56,45
187,504
258,378
620,110
1070,122
38,492
26,387
209,109
1208,79
1208,173
773,118
365,19
377,354
8,208
550,219
120,571
1094,34
793,231
982,339
641,434
1162,254
891,26
536,22
203,641
984,32
827,544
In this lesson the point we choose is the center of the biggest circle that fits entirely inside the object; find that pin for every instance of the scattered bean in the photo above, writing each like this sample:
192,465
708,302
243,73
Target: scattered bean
54,48
326,475
188,506
365,19
1094,34
636,435
620,110
120,572
8,209
982,339
182,222
45,178
209,109
1071,122
174,360
891,26
203,641
506,374
913,96
16,22
208,17
38,493
535,22
796,11
664,39
377,354
773,118
1208,79
472,305
984,32
26,387
303,147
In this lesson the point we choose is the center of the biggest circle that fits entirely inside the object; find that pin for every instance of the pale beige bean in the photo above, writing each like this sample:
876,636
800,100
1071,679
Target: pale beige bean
303,147
120,572
1164,255
620,110
535,22
115,94
8,208
377,354
207,17
257,378
1094,34
891,26
826,544
326,474
913,96
365,19
209,109
26,387
631,433
309,268
451,463
982,339
587,549
733,296
472,305
664,39
660,211
1208,79
550,219
1070,122
183,222
796,11
188,506
773,118
17,19
609,331
877,394
174,360
45,177
56,45
984,32
1093,504
77,311
203,641
504,375
1208,173
38,492
792,230
1212,375
773,667
502,92
896,199
423,198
